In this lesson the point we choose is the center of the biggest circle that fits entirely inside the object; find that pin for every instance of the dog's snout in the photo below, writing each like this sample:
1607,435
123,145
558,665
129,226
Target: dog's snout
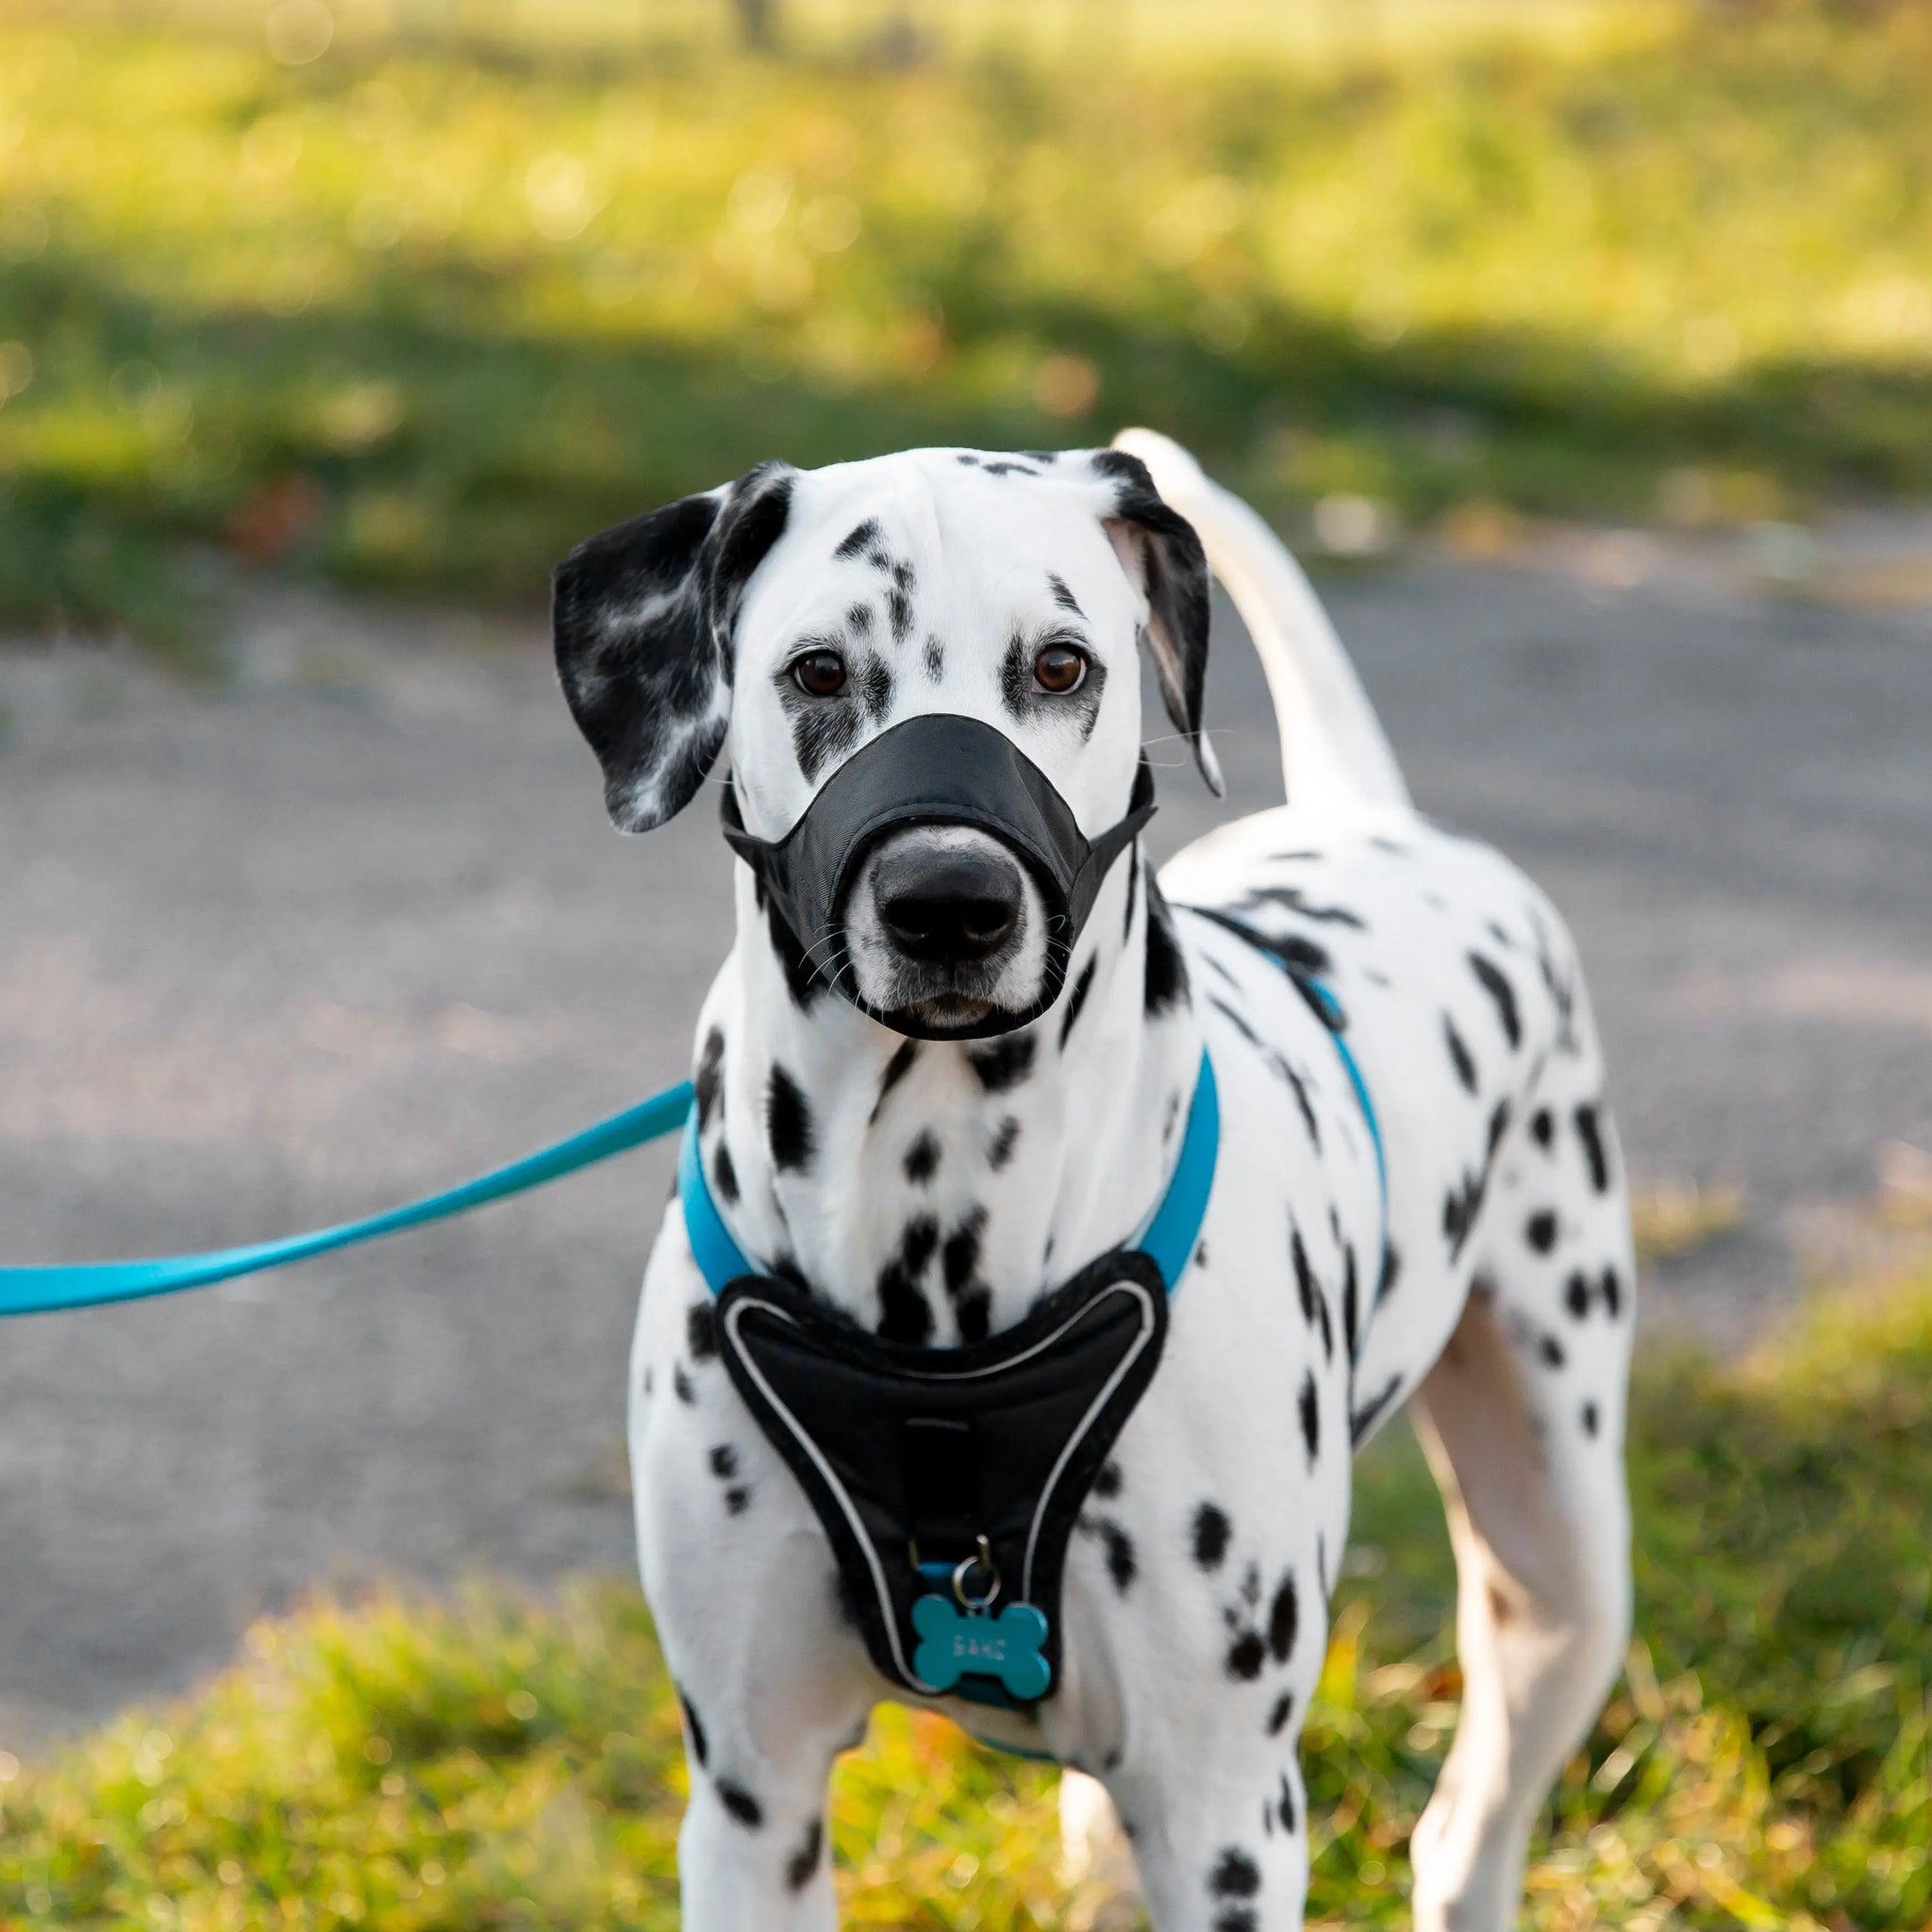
948,907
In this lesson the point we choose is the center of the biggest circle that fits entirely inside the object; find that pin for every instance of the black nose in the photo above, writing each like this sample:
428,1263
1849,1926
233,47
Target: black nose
949,909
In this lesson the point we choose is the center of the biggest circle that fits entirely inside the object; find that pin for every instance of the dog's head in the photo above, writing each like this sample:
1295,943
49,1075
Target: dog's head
798,615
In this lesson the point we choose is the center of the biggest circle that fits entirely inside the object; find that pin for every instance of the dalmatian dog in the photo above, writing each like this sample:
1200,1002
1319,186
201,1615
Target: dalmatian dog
928,1180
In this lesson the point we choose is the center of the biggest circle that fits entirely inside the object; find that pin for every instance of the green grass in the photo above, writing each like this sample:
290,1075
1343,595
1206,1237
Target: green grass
422,320
1767,1763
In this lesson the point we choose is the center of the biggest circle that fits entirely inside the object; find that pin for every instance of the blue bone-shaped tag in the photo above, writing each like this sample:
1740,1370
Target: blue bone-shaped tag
1005,1648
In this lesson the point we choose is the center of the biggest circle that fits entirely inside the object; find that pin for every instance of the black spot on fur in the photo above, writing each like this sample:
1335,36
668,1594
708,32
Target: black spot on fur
693,1730
1004,1062
1311,1417
1459,1054
1004,1140
1613,1293
788,1123
1235,1018
921,1159
1503,994
1314,1304
701,1330
1133,887
1391,1272
1284,1809
1237,1919
1298,955
1306,1292
1166,984
1283,1710
1589,1131
737,1501
1062,596
1539,1231
709,1081
724,1460
862,539
959,1259
1577,1295
896,1070
1106,1481
1082,987
905,1314
744,1809
724,1174
1284,1620
1246,1656
875,683
1542,1128
899,602
1212,1531
935,659
804,1862
681,1384
1351,1296
1121,1564
1294,899
1364,1418
858,619
1551,1351
802,980
1235,1876
1589,1419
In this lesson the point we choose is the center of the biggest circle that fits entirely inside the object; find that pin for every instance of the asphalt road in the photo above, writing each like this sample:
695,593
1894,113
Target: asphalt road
355,927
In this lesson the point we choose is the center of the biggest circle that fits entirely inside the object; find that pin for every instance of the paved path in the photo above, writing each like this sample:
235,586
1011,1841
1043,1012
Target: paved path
355,927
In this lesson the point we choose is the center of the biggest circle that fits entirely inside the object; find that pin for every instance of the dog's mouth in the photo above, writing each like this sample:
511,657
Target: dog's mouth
944,1013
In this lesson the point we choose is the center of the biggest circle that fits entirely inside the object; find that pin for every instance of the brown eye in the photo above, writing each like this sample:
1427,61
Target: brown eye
1061,669
819,674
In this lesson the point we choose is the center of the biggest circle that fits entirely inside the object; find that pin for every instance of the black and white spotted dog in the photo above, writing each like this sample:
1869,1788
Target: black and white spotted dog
932,1189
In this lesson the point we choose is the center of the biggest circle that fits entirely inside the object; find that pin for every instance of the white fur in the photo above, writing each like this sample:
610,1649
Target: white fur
1184,1689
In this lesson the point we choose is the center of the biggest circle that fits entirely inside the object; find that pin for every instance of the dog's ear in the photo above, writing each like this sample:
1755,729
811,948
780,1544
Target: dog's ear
643,617
1162,555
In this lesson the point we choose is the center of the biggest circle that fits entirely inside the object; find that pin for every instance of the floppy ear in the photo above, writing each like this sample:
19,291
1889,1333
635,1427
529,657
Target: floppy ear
1162,554
643,618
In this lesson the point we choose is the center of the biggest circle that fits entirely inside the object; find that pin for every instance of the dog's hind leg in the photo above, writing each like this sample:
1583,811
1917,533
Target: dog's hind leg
1522,1422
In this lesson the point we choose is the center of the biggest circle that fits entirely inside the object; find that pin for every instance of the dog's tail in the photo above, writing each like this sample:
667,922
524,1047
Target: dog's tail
1333,753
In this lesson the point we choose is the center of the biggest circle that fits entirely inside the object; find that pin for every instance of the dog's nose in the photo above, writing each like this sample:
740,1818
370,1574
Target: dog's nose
948,908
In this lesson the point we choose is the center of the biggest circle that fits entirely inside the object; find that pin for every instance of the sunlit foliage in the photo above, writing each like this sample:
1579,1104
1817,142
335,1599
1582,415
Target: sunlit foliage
425,319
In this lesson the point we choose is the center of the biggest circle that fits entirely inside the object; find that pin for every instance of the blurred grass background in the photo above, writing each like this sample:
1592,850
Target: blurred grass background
1767,1762
417,296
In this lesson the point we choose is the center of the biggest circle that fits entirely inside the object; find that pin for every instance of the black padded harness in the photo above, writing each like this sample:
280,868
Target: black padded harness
921,1461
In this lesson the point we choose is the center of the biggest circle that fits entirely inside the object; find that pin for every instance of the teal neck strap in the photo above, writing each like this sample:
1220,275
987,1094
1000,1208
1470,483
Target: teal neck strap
1167,1237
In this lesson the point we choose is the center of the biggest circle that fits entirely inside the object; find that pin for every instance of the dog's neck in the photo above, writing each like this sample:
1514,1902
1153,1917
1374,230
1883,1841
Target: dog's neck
933,1191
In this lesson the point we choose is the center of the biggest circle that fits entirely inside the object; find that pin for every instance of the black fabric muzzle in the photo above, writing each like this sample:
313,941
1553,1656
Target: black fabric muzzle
938,770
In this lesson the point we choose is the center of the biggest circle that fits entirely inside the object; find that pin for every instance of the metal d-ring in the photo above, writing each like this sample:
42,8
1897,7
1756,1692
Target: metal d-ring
982,1561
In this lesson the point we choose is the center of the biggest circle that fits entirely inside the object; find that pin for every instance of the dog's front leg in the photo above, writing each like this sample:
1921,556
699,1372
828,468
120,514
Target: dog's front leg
772,1680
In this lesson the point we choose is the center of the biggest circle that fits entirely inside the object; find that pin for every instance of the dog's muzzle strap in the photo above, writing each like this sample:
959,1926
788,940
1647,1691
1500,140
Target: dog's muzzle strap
941,769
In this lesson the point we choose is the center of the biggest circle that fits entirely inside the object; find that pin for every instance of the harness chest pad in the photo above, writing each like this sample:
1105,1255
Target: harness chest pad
911,1455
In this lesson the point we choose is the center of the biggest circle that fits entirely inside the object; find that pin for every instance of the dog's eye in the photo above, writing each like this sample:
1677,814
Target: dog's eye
1061,669
819,674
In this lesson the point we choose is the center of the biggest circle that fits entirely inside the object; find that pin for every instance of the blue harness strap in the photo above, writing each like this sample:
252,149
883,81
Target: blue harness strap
39,1290
1167,1237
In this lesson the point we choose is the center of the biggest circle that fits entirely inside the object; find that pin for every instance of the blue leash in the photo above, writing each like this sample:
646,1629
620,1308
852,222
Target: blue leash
39,1290
1168,1238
